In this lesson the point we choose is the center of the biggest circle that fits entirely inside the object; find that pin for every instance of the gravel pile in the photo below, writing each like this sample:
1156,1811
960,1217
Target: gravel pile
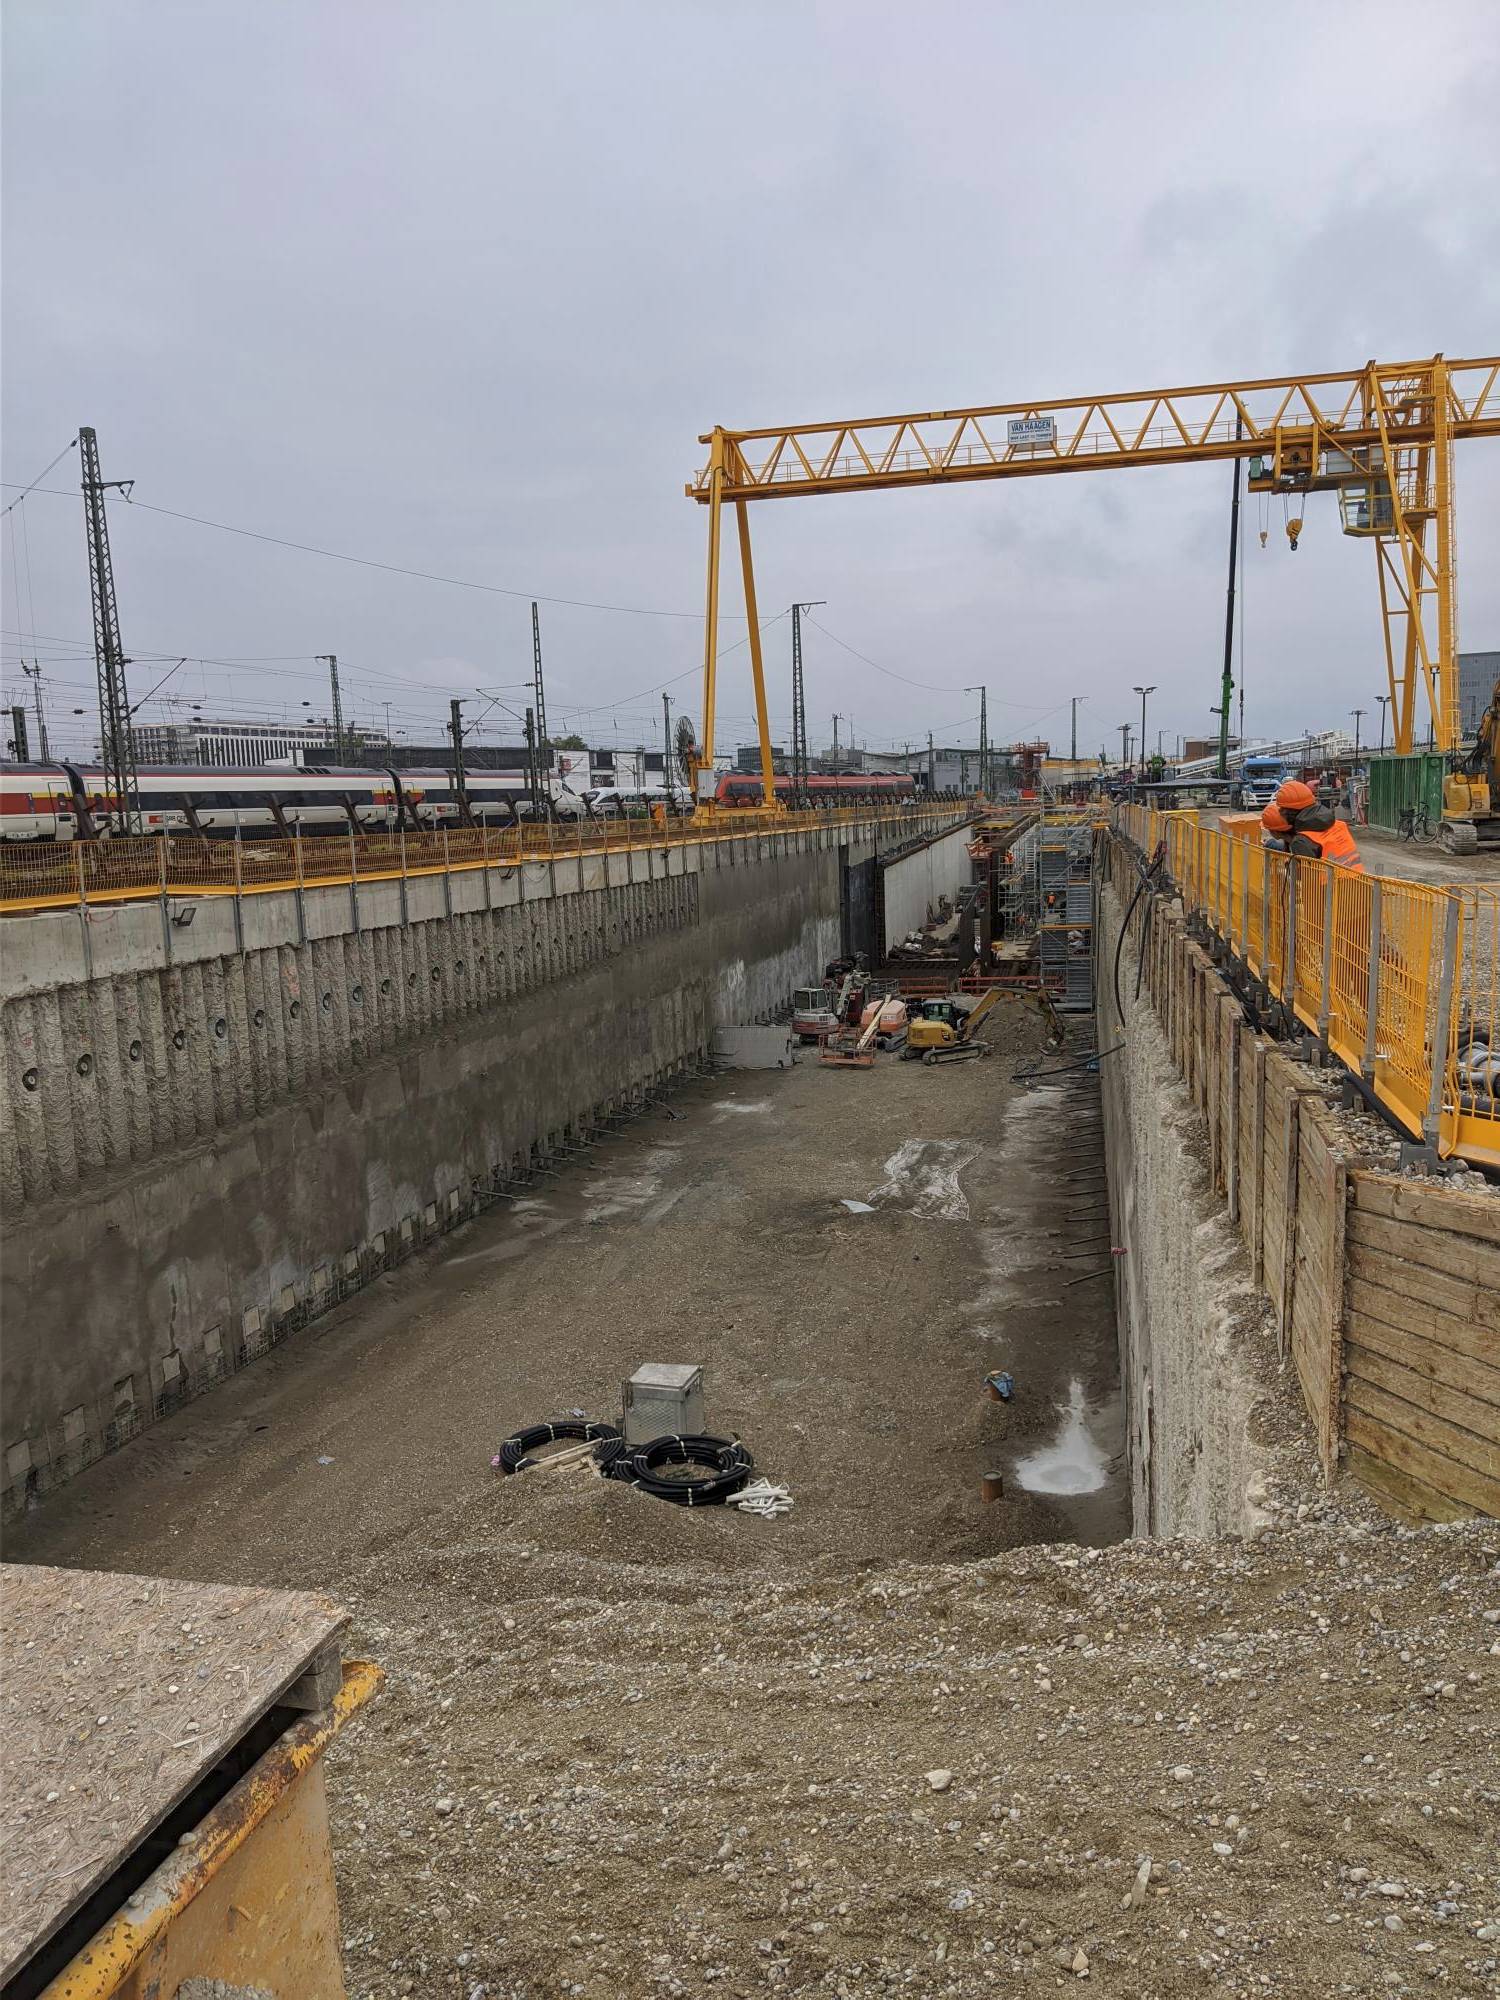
666,1764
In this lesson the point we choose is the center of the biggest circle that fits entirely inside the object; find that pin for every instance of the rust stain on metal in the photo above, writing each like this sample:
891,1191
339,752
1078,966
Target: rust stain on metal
104,1964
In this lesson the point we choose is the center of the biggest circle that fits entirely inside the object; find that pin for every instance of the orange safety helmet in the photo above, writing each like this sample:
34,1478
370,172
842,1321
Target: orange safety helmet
1275,821
1294,796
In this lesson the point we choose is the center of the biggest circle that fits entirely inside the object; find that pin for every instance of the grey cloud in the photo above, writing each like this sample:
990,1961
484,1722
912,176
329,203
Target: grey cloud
457,287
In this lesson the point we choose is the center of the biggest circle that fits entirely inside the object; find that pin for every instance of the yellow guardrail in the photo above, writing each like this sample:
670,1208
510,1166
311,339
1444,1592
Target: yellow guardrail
1400,980
46,875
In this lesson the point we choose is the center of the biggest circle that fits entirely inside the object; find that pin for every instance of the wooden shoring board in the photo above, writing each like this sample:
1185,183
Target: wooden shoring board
1426,1249
1252,1211
1399,1491
1279,1208
1317,1310
1211,1085
1229,1031
1418,1320
1460,1298
118,1694
1422,1447
1437,1207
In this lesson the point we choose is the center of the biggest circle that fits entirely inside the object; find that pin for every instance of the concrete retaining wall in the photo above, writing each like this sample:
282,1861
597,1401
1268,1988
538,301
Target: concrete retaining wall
201,1156
1205,1394
913,885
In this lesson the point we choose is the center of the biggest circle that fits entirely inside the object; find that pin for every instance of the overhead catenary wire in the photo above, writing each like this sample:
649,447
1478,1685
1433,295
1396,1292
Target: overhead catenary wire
370,562
441,695
36,484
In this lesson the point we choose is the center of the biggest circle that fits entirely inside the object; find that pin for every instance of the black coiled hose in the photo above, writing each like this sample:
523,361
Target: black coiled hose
728,1467
515,1454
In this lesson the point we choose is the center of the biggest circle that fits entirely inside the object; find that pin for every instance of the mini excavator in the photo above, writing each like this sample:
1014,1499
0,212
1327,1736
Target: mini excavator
944,1030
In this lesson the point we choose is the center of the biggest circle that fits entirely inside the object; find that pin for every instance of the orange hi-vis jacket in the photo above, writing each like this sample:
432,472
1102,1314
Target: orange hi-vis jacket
1332,843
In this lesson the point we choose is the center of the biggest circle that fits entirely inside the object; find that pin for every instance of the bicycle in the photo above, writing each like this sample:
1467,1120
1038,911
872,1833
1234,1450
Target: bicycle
1416,824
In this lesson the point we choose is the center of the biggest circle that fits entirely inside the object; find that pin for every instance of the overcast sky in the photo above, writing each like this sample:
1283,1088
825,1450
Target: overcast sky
456,287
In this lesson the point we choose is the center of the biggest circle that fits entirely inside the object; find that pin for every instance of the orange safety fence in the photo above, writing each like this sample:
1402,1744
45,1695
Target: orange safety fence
1400,980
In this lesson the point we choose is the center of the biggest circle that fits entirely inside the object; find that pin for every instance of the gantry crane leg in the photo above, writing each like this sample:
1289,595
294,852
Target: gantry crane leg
757,667
711,615
1419,578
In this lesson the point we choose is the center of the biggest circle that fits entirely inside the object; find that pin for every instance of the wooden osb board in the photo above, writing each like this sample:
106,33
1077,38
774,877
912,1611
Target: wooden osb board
118,1694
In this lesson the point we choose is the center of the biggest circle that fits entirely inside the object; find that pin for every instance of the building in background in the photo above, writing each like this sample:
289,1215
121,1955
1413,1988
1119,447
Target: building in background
165,743
236,745
955,767
747,758
1477,674
579,770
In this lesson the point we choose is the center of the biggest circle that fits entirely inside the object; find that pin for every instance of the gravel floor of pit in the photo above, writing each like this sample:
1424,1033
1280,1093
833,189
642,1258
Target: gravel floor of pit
881,1746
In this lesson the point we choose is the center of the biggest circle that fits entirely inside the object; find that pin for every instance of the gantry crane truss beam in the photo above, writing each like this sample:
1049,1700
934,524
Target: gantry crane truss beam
1381,435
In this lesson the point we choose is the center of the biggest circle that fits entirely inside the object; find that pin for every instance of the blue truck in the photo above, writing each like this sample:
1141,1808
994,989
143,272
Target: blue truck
1259,779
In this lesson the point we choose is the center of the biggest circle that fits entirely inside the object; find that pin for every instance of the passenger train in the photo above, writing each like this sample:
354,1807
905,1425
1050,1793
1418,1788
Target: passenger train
72,801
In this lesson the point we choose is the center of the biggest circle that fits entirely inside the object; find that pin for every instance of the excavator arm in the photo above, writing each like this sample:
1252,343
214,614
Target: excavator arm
1038,998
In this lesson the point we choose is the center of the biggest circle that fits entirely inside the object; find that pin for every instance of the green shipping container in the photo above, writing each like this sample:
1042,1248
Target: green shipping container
1399,783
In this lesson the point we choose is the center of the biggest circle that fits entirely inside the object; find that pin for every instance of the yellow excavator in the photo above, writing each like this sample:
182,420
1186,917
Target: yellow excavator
1471,791
944,1030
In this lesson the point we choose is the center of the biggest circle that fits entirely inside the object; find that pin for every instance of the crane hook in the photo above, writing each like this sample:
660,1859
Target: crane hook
1263,538
1294,529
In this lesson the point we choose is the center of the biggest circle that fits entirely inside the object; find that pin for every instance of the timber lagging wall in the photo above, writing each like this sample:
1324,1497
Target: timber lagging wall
1386,1293
1422,1346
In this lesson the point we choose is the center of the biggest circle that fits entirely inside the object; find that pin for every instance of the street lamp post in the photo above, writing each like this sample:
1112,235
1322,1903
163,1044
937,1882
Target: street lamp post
1356,713
1143,692
1385,701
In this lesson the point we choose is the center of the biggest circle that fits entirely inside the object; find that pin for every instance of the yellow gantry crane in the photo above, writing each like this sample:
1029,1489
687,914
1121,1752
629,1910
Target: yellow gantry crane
1380,436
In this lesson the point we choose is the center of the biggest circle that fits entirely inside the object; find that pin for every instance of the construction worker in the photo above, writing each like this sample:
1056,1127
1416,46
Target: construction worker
1296,821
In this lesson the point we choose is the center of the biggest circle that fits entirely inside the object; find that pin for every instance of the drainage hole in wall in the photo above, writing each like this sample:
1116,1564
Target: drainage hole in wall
259,1017
179,1040
458,966
437,972
411,979
221,1027
326,1003
136,1052
30,1078
357,994
385,987
295,1009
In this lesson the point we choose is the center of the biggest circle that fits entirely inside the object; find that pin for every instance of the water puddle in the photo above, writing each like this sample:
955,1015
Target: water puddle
1073,1463
921,1176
